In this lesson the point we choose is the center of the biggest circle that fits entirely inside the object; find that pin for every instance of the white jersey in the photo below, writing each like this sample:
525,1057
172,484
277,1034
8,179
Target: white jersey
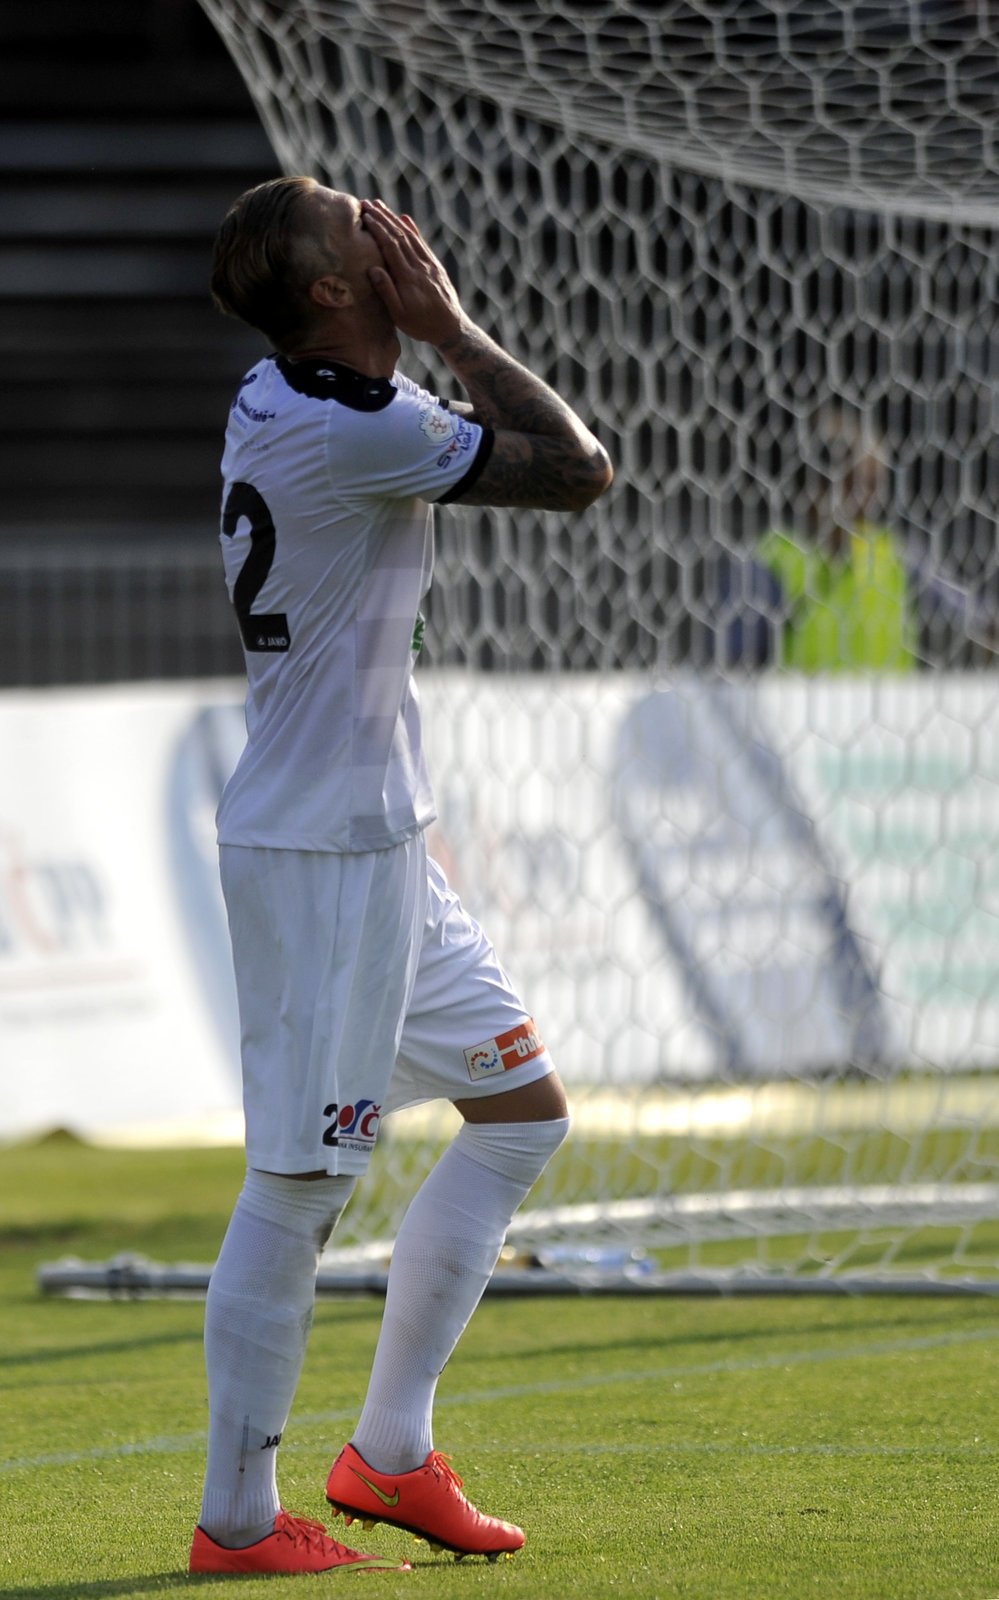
327,541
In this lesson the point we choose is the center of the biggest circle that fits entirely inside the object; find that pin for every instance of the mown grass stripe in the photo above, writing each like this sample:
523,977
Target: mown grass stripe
177,1444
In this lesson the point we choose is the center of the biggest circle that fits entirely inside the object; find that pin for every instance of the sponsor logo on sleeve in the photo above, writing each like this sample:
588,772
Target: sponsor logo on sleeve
454,435
507,1050
460,444
437,424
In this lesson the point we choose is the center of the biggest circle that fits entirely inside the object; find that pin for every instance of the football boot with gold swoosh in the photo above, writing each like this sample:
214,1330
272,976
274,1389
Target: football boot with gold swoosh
427,1502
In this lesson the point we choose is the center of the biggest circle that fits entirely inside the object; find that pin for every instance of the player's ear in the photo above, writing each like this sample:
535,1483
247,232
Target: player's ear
330,292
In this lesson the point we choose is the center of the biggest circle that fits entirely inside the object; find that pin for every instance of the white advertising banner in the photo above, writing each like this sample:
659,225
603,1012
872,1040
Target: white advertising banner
687,881
900,777
116,996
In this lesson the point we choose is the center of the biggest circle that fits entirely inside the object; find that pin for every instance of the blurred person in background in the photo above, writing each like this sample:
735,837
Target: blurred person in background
841,585
845,602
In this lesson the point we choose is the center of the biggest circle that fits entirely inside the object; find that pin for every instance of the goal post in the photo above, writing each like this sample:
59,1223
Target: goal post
744,872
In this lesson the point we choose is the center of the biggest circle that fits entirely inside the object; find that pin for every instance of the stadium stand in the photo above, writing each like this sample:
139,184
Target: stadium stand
125,131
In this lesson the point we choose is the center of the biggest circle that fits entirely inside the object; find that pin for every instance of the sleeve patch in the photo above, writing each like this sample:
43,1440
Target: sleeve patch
454,436
436,423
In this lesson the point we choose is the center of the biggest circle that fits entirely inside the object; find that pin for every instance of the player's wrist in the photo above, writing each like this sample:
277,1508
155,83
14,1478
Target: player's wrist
463,341
457,337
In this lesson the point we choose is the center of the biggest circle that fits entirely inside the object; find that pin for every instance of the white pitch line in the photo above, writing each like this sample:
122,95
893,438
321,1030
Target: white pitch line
698,1447
177,1444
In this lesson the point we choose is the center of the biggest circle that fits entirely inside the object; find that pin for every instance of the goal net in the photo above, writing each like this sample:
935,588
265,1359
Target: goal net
716,761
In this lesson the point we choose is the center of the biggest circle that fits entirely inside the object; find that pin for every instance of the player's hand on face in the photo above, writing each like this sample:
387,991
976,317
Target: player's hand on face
413,285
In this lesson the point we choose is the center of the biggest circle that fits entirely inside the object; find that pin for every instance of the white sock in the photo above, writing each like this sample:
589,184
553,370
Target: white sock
257,1320
444,1255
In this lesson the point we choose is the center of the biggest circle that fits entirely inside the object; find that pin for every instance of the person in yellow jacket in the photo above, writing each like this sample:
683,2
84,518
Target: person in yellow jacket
843,610
846,602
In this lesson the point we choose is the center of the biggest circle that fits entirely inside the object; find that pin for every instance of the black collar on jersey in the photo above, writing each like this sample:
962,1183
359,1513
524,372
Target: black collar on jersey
330,380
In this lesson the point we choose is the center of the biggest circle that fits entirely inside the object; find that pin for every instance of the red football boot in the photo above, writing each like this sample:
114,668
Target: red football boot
427,1502
296,1545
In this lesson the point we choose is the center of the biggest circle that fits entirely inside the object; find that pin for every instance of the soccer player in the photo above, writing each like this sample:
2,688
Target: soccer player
363,985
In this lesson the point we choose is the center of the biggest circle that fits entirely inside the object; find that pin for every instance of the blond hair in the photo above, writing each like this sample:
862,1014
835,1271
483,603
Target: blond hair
266,256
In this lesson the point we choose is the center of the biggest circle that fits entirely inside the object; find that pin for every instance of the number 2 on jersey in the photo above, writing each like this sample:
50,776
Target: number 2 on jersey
261,631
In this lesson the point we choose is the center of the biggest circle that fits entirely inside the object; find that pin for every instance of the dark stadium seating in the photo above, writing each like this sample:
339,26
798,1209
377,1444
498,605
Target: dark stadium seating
124,132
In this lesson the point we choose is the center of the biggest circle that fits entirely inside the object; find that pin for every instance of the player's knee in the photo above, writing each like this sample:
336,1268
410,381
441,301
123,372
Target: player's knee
310,1209
518,1150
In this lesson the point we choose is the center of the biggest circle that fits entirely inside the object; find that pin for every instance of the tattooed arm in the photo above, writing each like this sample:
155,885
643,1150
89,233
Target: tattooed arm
543,455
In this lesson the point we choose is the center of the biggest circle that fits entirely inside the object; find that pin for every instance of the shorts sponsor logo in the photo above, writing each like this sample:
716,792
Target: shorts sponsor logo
507,1050
483,1060
352,1127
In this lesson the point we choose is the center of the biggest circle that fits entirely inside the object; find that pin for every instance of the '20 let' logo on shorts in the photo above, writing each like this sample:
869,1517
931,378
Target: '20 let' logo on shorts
507,1050
352,1127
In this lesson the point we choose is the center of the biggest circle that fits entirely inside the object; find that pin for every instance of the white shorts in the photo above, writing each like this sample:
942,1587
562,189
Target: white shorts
363,987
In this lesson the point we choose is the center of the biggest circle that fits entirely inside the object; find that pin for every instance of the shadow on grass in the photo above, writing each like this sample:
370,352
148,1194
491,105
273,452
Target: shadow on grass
919,1318
145,1341
108,1347
141,1583
146,1583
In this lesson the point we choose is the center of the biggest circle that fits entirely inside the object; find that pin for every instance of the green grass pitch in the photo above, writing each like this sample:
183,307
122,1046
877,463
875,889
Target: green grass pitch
771,1449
